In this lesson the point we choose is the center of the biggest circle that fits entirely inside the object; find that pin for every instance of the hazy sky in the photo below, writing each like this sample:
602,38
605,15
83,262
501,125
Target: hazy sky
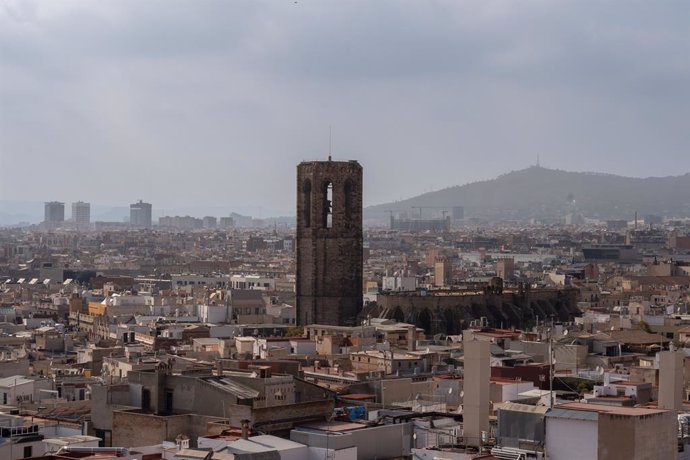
178,102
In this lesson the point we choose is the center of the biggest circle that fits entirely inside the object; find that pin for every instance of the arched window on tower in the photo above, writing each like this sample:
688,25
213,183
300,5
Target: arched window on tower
327,204
306,203
349,190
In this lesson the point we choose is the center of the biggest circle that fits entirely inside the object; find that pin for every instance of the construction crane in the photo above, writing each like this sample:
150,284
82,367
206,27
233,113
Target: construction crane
444,212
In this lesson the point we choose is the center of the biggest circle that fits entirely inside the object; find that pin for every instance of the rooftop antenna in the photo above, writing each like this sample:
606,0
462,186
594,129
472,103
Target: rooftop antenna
330,136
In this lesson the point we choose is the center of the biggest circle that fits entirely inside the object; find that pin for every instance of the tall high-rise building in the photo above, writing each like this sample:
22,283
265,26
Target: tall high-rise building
329,242
140,214
54,212
81,213
210,222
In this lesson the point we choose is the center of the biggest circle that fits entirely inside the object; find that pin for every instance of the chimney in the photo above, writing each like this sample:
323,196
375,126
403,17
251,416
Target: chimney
181,442
412,338
476,388
670,380
245,428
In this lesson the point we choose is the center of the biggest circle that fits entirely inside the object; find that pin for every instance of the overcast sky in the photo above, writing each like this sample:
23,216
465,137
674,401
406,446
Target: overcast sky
179,102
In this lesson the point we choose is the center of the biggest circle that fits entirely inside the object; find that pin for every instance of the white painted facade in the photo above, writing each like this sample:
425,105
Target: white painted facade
571,439
252,282
213,313
399,283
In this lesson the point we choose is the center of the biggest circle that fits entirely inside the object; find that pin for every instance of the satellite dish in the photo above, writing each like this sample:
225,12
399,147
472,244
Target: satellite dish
600,370
613,328
462,394
450,391
565,332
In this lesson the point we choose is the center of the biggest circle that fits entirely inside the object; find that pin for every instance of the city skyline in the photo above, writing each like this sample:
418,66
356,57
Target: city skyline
18,212
216,103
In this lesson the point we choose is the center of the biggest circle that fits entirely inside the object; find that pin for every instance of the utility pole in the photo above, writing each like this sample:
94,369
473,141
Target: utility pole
550,331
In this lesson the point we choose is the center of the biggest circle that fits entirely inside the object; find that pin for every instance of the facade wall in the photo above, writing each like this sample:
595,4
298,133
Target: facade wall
399,390
570,357
15,451
538,374
637,438
308,410
14,367
195,396
570,439
127,430
318,453
104,398
450,314
656,436
387,441
617,437
516,428
509,392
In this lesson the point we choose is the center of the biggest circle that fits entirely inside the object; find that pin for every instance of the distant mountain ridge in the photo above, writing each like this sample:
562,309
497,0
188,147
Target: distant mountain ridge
543,193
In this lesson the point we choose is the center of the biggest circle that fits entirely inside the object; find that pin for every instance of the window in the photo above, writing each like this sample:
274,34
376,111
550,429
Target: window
306,203
169,401
349,190
28,451
327,205
145,399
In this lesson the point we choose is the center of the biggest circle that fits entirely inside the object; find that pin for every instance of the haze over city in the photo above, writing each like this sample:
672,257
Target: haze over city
182,103
352,230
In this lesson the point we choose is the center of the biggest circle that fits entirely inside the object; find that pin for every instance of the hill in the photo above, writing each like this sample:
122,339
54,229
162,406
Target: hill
543,193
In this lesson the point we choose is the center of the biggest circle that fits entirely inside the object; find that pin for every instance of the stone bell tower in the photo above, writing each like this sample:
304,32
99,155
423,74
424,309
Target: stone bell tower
329,242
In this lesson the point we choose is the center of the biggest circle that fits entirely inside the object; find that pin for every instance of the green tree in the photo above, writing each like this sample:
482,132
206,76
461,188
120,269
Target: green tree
297,331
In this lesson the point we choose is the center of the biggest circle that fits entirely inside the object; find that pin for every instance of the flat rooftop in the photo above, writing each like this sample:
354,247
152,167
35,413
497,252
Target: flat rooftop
614,410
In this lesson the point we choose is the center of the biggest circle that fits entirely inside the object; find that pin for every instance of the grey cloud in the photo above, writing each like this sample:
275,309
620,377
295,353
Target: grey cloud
216,101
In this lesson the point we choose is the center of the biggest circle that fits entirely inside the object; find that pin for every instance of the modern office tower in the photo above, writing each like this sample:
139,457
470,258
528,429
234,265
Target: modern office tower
81,213
54,212
329,242
140,214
